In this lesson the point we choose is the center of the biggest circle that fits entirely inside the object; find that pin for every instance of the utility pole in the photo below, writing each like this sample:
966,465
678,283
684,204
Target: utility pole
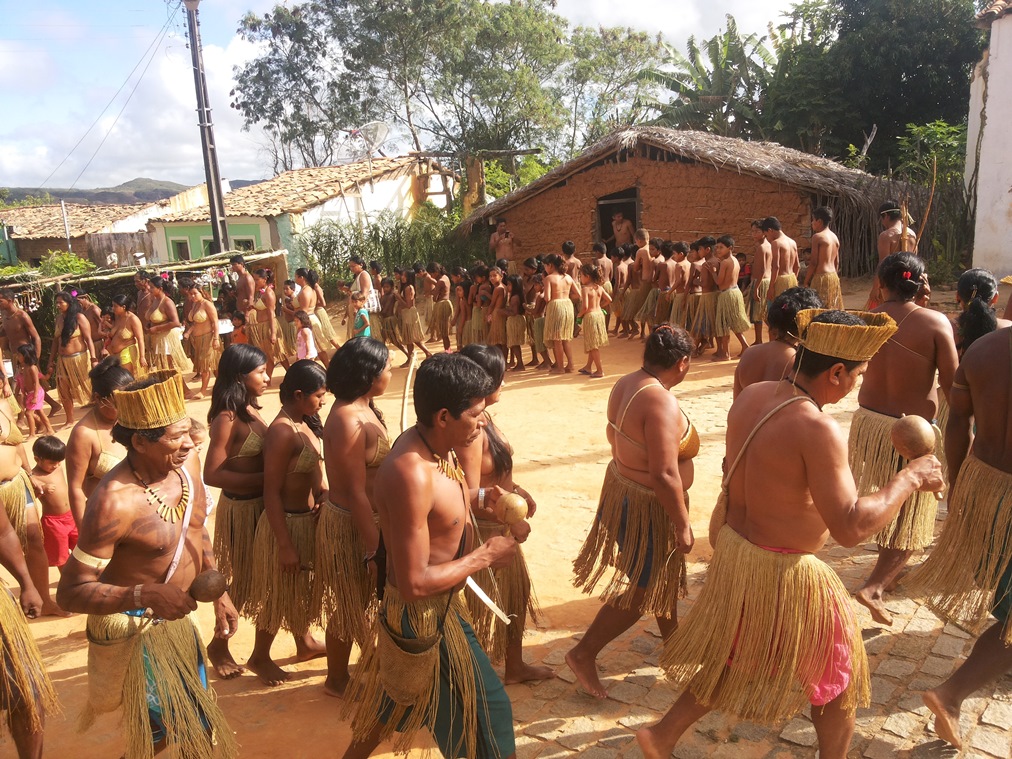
219,227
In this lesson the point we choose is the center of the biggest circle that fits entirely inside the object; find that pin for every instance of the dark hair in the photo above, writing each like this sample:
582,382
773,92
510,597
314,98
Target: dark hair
376,266
515,285
656,242
555,261
771,222
307,377
387,281
237,259
680,247
354,368
666,346
27,352
7,294
265,274
108,375
600,247
706,241
782,314
435,268
593,271
667,248
448,381
726,240
533,263
491,360
357,260
976,289
303,272
161,284
50,448
812,364
288,283
757,223
229,392
409,277
823,214
69,318
312,277
185,283
240,316
901,274
569,247
302,317
890,208
121,301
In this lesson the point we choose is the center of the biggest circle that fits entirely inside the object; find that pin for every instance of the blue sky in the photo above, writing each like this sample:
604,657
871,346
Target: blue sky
62,62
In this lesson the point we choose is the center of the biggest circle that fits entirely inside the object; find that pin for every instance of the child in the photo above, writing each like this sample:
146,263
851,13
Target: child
595,332
198,434
516,321
388,317
497,313
730,317
462,312
29,387
238,328
362,326
59,531
305,345
540,304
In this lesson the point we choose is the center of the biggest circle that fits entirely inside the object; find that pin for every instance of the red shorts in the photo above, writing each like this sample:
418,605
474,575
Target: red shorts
59,534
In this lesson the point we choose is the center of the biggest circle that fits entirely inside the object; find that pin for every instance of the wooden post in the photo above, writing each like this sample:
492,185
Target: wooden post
474,194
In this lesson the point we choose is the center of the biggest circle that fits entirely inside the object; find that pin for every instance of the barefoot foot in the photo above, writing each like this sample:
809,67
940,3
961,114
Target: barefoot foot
308,648
875,606
586,674
270,674
50,609
649,745
224,665
526,673
946,719
335,686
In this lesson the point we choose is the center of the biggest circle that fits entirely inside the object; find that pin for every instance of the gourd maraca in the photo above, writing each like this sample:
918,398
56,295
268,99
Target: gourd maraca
912,437
510,509
208,586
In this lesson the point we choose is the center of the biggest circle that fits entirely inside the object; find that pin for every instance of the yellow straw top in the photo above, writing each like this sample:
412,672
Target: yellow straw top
156,401
848,342
1006,280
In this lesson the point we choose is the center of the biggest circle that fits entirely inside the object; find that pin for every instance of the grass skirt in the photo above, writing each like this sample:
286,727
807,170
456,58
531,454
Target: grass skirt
962,578
648,310
676,316
442,315
72,372
206,353
595,333
784,282
539,334
128,655
284,600
757,303
828,288
424,305
621,544
559,320
13,496
516,330
327,328
25,679
319,336
692,301
411,327
235,529
730,314
344,596
166,352
511,588
479,329
286,345
259,334
634,300
775,617
706,314
391,328
497,330
874,461
367,698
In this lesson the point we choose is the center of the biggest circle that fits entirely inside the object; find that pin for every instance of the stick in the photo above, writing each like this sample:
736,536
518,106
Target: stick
931,197
483,597
407,387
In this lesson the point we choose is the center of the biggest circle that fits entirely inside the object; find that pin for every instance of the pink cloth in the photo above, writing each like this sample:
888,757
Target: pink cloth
305,345
33,402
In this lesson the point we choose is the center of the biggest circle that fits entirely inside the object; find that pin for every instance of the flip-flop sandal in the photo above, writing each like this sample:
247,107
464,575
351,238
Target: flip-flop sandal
584,371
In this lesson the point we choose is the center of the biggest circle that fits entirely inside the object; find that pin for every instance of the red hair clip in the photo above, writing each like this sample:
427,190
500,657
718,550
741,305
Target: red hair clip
906,275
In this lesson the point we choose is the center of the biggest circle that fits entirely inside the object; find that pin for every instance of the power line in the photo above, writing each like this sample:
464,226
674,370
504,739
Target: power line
156,41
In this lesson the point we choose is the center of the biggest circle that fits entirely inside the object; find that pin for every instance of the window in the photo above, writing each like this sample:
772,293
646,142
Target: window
247,244
180,249
625,202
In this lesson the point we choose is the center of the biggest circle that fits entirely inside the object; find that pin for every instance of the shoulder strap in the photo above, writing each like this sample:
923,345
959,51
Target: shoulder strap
628,403
734,466
186,525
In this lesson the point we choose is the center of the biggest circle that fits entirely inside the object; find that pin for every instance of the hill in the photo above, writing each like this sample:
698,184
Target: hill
138,190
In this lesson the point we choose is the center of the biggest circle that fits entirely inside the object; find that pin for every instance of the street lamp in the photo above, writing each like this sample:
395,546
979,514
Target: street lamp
219,228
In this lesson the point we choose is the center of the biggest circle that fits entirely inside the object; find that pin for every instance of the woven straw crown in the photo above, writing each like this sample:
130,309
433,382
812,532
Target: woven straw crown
157,405
851,343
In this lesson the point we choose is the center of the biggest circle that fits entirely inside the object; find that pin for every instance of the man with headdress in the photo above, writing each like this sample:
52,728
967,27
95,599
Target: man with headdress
428,669
773,627
26,693
968,576
141,544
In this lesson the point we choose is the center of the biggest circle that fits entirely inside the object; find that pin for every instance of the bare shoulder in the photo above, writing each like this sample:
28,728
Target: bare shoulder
986,352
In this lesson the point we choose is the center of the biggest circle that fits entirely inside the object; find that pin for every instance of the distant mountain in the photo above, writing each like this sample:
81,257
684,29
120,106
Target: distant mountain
138,190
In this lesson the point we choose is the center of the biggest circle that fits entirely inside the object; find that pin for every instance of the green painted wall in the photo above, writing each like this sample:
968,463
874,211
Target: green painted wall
290,242
194,234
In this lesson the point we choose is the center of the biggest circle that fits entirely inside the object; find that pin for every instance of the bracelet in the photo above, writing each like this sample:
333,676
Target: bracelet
369,556
138,604
481,498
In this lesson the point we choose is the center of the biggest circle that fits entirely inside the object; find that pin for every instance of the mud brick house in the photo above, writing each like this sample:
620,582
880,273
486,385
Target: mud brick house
681,185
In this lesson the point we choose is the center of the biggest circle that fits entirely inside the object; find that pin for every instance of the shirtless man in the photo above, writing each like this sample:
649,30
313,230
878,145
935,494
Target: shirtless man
18,330
502,244
620,272
680,275
784,261
665,272
755,608
142,542
822,272
244,285
706,312
421,496
559,315
622,230
644,265
895,237
977,446
762,262
91,311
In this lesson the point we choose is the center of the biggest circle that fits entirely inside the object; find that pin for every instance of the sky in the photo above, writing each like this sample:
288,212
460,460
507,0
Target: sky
124,67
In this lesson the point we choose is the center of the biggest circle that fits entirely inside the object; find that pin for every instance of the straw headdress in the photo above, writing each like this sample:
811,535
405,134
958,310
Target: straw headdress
159,401
848,342
1006,280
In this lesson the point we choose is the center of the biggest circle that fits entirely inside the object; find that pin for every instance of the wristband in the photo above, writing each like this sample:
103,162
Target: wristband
138,604
481,498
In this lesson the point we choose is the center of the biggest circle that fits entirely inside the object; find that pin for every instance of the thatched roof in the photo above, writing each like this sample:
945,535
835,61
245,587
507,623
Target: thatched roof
44,222
993,12
763,159
297,190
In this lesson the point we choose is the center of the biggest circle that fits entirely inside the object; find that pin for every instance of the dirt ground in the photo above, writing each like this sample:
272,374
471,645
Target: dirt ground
557,427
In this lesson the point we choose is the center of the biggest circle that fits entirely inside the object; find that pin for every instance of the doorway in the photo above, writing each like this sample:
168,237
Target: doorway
626,202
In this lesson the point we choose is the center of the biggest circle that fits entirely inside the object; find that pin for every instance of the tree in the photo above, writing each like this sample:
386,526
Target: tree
716,87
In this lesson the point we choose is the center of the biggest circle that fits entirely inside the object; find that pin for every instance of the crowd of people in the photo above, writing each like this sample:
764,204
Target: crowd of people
339,525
